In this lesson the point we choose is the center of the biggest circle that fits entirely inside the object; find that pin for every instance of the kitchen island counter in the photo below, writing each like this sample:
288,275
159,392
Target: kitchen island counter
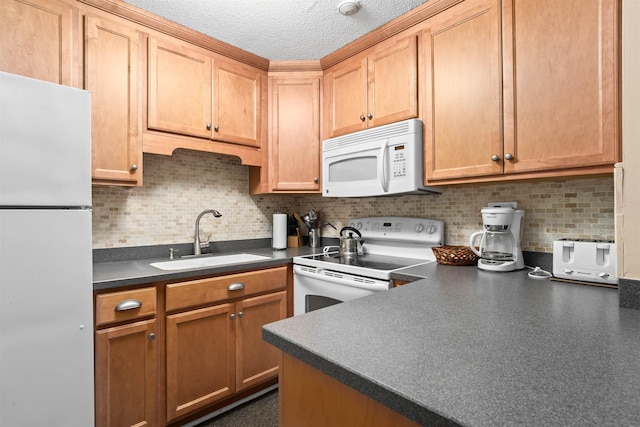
479,348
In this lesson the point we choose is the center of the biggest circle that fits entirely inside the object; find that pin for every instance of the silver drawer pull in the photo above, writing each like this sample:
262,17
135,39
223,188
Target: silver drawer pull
130,304
238,286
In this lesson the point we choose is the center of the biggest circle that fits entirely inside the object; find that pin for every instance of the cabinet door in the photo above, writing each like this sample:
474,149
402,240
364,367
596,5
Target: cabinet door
347,94
393,82
462,120
294,147
35,40
179,89
561,83
200,358
257,360
126,375
236,103
111,74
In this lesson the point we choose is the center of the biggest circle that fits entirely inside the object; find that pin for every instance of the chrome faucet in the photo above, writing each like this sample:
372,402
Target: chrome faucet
196,243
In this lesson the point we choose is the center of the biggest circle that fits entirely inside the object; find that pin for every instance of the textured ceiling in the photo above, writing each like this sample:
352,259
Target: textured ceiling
279,29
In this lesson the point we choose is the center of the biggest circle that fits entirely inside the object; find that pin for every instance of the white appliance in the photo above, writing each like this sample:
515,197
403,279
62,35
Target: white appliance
500,246
46,315
390,244
381,161
587,260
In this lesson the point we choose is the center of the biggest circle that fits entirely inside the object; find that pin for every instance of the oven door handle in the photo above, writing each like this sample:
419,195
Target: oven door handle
375,285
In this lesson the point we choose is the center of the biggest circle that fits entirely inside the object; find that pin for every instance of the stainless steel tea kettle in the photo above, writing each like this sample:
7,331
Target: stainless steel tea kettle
350,245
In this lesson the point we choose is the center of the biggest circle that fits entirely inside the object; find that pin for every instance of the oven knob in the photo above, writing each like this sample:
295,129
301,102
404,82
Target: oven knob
419,228
432,229
357,226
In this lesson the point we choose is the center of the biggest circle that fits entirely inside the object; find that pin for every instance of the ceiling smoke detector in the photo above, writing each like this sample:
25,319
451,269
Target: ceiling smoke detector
348,8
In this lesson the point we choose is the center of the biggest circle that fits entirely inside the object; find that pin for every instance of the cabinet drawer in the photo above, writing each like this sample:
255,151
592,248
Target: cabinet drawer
125,305
205,291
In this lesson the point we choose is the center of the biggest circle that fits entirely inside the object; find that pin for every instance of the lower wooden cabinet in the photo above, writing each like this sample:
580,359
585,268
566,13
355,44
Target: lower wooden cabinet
311,398
200,358
125,359
256,360
216,351
168,352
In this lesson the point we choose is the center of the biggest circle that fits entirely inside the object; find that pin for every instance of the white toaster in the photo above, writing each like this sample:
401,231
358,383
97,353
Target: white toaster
586,260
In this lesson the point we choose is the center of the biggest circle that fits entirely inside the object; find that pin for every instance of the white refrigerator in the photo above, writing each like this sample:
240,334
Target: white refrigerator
46,314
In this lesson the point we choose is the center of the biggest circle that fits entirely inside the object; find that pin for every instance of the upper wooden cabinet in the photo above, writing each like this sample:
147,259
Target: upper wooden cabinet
525,89
462,111
236,103
294,134
560,84
178,89
36,40
373,90
189,92
112,76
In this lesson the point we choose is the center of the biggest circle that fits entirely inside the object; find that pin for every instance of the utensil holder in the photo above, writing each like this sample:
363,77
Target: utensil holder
315,241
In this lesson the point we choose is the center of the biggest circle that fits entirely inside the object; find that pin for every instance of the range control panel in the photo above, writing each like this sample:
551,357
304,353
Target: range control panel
400,228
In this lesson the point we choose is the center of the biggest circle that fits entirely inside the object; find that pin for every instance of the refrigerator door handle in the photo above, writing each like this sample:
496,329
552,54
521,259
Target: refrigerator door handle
130,304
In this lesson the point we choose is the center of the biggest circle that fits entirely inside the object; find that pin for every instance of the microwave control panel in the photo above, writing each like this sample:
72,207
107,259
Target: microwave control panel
399,160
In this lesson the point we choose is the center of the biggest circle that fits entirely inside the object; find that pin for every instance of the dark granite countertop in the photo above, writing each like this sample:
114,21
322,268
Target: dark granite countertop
480,349
135,271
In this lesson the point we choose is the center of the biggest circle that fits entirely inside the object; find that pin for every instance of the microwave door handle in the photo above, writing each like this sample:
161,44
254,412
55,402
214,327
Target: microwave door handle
382,162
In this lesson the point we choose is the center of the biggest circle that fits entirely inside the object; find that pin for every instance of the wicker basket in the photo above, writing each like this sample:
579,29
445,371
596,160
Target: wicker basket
455,255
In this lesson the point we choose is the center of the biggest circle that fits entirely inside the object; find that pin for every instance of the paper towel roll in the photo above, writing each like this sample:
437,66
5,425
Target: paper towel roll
279,238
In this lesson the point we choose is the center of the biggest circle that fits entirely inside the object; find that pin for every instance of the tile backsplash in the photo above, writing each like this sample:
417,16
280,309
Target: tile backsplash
177,188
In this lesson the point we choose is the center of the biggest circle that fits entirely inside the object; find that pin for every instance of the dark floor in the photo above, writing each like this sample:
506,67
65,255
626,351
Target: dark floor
260,412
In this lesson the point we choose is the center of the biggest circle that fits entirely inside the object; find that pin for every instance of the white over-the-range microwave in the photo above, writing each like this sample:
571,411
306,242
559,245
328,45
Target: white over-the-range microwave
382,161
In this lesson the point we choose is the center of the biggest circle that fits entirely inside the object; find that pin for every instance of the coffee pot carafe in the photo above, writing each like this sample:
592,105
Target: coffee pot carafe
499,248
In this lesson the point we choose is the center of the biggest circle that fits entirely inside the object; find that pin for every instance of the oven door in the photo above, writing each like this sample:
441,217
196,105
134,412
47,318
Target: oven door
315,288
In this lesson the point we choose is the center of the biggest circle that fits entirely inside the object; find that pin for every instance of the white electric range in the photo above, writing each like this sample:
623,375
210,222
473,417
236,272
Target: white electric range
390,243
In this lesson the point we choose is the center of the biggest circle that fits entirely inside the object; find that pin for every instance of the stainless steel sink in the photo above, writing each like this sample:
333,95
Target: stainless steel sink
210,261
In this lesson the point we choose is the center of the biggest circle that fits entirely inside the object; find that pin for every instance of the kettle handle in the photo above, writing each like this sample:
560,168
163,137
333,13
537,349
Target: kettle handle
471,240
350,229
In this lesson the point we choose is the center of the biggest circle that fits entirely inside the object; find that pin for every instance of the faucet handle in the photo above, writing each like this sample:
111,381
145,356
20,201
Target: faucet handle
205,244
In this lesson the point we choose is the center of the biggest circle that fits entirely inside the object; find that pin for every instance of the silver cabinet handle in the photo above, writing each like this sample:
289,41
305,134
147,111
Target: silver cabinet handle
130,304
232,316
315,179
134,167
369,116
362,118
508,156
240,313
495,158
152,336
208,126
216,128
238,286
